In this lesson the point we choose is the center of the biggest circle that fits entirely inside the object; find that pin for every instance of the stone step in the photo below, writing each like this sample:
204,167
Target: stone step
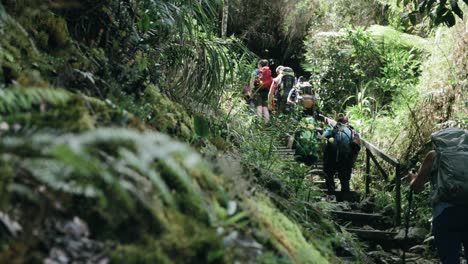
351,196
372,234
284,152
318,165
314,172
356,217
283,149
322,184
319,183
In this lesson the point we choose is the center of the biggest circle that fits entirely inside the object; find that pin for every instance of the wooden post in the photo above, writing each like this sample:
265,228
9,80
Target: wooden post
397,196
367,176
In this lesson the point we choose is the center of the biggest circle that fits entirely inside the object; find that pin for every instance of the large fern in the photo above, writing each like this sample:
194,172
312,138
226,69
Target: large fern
116,167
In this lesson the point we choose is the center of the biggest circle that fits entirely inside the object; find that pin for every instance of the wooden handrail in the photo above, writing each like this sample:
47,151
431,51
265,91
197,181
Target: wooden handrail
379,153
372,150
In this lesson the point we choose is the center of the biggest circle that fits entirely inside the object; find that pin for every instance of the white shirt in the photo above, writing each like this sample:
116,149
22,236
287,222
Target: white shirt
278,78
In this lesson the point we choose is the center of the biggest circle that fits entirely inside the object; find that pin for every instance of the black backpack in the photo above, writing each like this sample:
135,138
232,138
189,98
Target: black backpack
307,90
287,83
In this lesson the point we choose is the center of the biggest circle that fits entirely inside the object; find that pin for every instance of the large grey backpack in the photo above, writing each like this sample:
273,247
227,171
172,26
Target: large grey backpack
450,177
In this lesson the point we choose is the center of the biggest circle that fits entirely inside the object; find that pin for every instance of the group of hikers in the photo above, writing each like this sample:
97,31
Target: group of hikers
446,167
281,93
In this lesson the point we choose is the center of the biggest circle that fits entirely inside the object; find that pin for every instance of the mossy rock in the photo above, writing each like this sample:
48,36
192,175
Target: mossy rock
285,234
57,29
184,241
271,258
221,143
168,116
136,254
52,30
32,78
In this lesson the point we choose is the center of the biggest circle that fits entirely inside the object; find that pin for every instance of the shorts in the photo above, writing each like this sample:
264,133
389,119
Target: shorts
261,98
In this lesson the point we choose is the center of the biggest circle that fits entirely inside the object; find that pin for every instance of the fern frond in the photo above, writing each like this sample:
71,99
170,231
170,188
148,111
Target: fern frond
121,167
24,99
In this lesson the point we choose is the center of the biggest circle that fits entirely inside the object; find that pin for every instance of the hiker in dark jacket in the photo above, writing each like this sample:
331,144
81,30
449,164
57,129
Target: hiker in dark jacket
447,169
338,155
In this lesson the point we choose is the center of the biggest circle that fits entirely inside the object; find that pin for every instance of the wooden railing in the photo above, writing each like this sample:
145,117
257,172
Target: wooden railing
371,153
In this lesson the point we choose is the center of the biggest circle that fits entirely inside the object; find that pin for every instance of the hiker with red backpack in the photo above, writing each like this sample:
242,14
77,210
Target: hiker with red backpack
446,168
260,83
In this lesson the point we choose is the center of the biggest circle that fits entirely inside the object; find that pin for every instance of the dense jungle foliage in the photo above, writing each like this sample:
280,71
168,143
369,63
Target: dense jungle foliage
125,136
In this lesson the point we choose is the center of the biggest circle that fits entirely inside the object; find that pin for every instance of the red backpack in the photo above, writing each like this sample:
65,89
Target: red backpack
264,78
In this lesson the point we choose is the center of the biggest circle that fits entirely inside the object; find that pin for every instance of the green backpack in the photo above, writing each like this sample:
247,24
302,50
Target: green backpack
307,141
450,173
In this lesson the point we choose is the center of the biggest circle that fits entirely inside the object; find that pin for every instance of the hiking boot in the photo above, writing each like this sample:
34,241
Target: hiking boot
330,198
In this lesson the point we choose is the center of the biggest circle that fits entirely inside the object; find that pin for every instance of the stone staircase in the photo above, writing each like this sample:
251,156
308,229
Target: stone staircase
374,229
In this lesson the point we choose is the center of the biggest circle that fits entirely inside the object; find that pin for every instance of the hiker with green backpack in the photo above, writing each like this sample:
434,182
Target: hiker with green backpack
307,141
284,83
446,168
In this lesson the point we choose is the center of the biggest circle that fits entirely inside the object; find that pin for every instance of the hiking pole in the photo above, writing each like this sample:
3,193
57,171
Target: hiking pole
407,221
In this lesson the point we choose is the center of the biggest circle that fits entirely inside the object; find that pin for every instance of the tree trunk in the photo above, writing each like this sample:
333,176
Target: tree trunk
224,21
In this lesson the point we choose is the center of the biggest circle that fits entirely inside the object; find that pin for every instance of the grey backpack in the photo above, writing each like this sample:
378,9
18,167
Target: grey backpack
450,175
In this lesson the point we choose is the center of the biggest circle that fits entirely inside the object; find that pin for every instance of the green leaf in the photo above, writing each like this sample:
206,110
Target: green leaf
145,23
234,219
9,57
201,125
215,255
